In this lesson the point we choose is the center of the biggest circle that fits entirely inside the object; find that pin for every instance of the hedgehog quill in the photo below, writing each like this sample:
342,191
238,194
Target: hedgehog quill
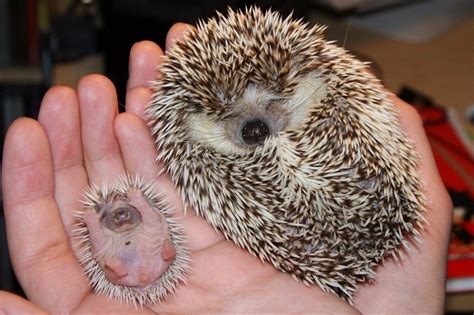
282,142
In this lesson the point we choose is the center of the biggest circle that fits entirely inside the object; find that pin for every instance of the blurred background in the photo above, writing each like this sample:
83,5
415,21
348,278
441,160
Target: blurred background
422,50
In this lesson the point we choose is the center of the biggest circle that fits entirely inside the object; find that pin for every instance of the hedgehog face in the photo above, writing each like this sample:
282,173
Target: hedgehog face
282,142
120,219
254,117
130,247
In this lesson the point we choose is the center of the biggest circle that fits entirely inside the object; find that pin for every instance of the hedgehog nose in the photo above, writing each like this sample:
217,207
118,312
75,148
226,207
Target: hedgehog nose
254,132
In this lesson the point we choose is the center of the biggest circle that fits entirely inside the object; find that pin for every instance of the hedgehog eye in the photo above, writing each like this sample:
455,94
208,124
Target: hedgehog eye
121,219
254,132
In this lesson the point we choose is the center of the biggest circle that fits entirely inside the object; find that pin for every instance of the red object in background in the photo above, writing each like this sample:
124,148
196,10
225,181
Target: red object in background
461,255
454,163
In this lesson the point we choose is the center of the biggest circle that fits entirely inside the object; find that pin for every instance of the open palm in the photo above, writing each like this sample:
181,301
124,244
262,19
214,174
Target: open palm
80,139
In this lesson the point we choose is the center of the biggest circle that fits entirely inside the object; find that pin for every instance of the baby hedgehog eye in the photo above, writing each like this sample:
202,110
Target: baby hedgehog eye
122,219
122,216
254,132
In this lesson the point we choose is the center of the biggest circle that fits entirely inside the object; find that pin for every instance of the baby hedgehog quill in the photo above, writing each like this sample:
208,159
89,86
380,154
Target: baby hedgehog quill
282,141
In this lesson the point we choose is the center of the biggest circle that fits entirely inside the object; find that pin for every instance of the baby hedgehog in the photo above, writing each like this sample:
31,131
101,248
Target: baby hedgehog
130,246
283,142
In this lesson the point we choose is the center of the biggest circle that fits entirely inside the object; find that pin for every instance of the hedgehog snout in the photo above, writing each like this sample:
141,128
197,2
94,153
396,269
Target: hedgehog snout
250,121
254,132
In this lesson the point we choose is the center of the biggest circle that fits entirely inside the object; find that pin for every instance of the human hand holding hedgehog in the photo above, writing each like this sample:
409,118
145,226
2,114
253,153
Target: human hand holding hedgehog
80,139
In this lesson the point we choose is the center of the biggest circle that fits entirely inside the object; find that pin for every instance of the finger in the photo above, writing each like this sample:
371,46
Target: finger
98,109
59,116
137,146
176,32
11,304
139,154
439,206
136,101
412,124
38,243
417,282
144,58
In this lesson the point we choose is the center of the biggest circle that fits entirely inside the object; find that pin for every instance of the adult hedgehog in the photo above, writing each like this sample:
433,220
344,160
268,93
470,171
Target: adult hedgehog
282,141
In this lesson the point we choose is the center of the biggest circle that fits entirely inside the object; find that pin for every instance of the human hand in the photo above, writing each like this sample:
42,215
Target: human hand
415,285
80,139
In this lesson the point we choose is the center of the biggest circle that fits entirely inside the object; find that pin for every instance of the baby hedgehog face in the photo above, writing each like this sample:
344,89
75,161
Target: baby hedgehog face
129,245
284,143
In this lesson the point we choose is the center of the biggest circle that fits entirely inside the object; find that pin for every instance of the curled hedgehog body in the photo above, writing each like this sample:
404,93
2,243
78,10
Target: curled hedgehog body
282,141
128,242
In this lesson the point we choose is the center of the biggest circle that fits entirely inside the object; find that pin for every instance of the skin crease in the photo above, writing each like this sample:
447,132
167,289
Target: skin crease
79,138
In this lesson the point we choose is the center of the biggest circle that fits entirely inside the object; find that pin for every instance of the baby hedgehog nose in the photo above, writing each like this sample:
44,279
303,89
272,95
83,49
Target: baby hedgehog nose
254,132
